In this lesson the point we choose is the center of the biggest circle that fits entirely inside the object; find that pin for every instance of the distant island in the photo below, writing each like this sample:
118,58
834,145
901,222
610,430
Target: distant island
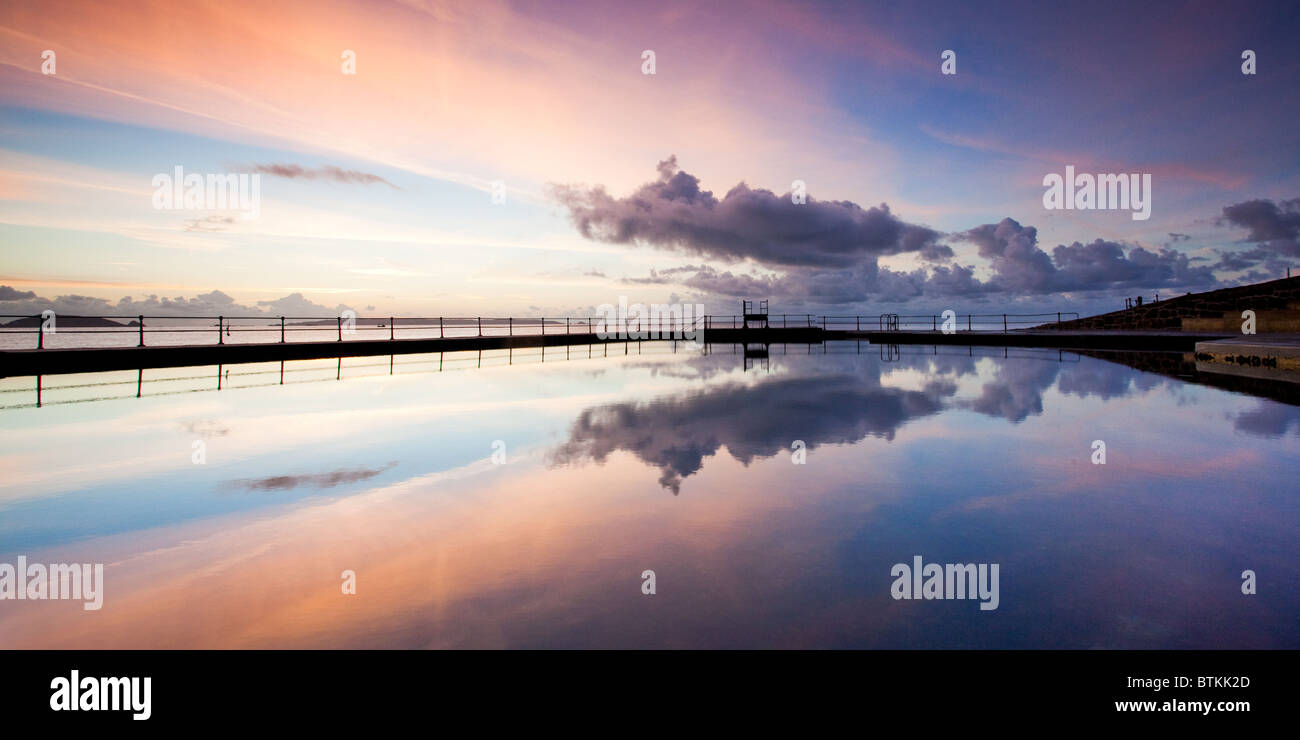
70,321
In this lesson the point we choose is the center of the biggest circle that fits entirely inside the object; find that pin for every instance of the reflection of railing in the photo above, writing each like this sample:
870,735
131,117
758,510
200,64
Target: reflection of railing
168,381
756,353
854,347
174,381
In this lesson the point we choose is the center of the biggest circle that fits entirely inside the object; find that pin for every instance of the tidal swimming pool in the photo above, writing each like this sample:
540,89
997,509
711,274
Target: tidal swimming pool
511,499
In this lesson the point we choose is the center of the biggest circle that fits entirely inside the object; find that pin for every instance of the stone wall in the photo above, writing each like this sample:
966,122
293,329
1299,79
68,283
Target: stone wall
1277,302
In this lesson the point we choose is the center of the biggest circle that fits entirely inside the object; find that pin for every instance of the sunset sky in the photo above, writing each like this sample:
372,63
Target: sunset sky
924,189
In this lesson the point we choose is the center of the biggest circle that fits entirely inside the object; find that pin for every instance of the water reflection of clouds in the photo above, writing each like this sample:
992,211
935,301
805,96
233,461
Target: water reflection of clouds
1269,419
844,398
676,433
825,399
329,479
970,458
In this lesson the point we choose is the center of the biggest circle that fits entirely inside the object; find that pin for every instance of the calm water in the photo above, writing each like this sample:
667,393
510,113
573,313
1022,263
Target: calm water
676,462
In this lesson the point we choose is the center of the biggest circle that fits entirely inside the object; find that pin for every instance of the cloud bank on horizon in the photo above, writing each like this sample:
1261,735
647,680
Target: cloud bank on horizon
828,251
212,303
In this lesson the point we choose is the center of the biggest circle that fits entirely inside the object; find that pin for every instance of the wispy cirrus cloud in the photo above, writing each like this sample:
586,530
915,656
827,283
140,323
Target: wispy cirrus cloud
325,172
209,223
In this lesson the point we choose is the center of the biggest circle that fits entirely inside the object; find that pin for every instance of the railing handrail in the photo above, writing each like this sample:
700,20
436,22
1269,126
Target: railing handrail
142,324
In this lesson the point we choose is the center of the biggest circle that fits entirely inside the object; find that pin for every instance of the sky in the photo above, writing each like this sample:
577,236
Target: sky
497,158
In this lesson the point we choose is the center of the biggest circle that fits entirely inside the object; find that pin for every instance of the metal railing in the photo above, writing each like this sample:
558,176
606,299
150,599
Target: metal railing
114,331
990,322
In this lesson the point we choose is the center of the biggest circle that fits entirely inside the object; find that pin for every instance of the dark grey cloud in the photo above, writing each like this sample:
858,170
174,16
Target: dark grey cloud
1241,260
826,252
1272,227
953,281
1104,264
1021,266
8,293
936,252
673,212
325,172
661,277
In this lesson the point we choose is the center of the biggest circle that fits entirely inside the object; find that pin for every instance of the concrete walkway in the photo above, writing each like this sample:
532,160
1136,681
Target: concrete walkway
1268,356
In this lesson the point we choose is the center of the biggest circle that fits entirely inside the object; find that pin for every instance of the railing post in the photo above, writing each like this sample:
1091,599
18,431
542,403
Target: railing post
40,339
566,324
1058,319
340,323
859,320
934,322
543,326
967,322
442,333
390,328
281,330
480,326
1004,323
221,323
141,318
510,326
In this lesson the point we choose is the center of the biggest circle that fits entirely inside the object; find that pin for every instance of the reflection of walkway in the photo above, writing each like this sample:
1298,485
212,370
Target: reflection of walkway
1182,365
